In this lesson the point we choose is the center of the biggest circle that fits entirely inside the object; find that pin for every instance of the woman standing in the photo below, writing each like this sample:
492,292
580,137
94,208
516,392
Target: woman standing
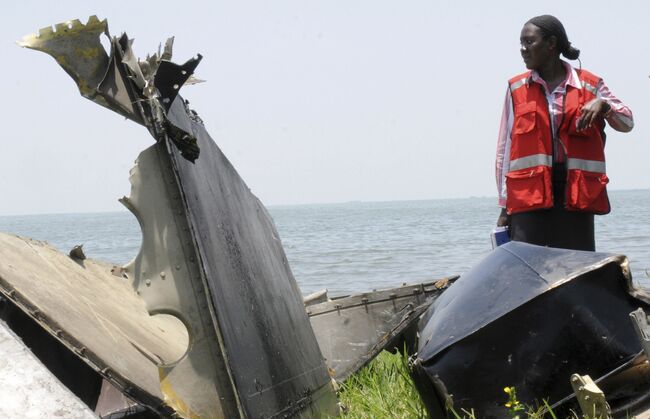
550,162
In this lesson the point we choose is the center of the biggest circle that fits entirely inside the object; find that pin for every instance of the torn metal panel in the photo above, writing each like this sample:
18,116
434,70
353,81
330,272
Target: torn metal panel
76,47
167,276
96,314
170,77
211,255
352,330
114,91
528,317
272,352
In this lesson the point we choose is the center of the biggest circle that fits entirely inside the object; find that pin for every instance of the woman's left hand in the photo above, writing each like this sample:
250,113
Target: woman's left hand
590,112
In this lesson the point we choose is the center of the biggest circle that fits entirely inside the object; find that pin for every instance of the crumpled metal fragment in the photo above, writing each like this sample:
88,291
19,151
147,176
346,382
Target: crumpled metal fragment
140,90
76,47
210,257
529,317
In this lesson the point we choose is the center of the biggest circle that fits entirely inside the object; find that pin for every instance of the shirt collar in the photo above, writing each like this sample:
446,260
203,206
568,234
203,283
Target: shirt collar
572,76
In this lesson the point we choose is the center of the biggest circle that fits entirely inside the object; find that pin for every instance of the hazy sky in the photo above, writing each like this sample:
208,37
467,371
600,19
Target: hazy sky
312,101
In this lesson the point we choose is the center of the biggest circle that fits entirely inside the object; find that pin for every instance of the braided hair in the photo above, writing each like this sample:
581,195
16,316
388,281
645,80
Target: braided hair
551,26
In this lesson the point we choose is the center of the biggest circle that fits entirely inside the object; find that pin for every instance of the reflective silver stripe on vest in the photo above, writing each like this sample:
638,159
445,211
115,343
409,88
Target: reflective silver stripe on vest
588,87
531,161
588,165
516,85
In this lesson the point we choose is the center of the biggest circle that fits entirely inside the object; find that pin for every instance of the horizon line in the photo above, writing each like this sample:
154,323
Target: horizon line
303,204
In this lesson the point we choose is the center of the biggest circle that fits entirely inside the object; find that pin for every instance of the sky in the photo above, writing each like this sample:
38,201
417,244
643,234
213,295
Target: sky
312,101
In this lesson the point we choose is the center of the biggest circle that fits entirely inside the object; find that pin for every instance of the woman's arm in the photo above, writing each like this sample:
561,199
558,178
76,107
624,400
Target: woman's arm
619,116
503,148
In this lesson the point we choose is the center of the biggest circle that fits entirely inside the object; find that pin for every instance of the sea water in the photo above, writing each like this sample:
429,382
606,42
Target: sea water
360,246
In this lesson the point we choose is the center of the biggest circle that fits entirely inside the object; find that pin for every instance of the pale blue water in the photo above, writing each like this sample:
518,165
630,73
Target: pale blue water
361,246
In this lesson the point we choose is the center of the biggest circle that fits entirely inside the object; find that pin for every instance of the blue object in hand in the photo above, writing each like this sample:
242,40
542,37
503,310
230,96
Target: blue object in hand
499,236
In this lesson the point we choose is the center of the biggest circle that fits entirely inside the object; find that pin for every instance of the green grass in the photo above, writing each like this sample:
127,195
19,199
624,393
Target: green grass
382,389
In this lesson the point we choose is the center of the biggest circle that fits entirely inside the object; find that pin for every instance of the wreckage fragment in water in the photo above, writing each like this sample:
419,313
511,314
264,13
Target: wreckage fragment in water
210,257
352,330
528,317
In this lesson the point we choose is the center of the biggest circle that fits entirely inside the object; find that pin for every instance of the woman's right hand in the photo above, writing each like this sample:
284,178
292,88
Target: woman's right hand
504,219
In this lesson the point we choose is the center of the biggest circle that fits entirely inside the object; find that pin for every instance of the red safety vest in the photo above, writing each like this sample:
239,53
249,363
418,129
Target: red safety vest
528,180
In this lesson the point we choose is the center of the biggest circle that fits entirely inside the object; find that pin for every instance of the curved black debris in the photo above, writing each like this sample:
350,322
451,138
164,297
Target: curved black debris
529,317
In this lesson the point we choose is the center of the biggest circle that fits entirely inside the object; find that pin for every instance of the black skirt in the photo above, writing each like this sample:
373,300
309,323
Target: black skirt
555,227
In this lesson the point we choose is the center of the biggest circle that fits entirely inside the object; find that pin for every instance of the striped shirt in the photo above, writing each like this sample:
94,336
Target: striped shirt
619,118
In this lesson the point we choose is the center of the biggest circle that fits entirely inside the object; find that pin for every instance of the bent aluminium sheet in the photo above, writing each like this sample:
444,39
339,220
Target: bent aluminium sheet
353,329
211,255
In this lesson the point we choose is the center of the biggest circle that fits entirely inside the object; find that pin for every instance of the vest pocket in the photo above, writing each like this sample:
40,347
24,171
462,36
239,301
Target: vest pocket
525,115
586,191
529,189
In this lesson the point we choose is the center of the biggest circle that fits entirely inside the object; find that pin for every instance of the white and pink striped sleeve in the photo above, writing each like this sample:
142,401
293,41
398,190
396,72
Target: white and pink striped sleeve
503,148
620,116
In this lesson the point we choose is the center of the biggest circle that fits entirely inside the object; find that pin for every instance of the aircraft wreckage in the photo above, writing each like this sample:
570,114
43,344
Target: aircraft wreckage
217,326
207,321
